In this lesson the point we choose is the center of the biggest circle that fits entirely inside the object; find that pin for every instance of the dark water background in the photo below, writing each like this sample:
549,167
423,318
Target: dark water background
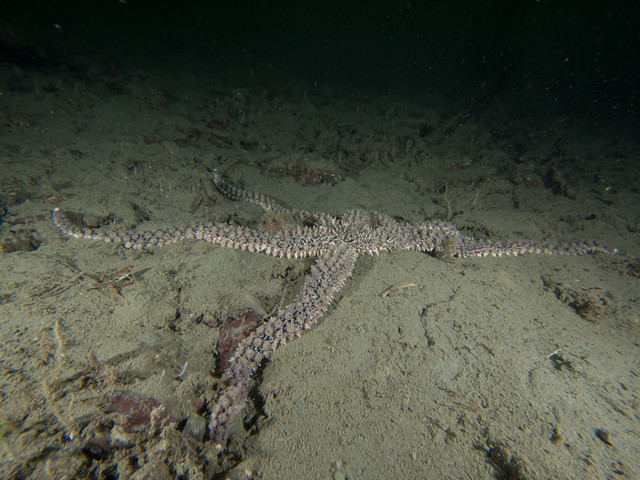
543,56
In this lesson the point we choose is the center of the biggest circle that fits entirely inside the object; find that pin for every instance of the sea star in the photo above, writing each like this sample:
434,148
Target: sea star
337,241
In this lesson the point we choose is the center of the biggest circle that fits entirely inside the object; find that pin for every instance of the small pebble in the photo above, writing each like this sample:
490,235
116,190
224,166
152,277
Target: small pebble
196,427
604,436
91,221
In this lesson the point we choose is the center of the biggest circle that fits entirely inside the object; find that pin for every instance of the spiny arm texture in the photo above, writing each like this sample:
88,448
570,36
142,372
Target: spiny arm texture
326,278
336,241
302,242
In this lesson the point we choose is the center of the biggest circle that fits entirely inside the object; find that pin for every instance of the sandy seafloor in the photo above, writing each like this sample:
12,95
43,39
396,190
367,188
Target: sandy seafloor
519,367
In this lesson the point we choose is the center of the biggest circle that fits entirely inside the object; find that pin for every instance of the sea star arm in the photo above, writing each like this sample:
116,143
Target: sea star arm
433,237
267,203
469,247
444,238
326,278
301,242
